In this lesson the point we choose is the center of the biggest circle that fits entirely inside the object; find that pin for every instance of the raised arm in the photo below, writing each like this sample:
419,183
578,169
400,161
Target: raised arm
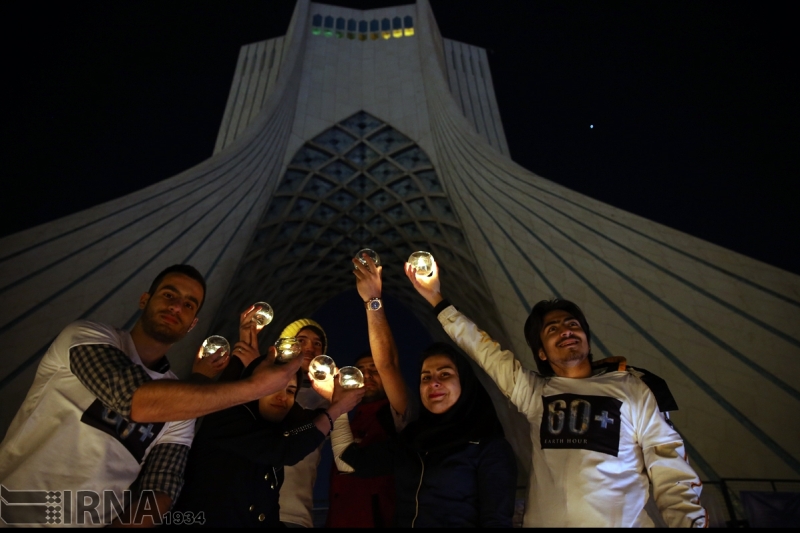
381,342
499,364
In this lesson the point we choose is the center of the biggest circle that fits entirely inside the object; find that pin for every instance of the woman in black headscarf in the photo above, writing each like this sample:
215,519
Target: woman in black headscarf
235,469
452,467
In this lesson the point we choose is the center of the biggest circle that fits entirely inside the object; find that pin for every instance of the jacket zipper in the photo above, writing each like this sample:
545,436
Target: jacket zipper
416,496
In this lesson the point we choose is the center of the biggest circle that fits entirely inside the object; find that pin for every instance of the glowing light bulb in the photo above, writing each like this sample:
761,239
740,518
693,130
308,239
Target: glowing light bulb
215,347
371,253
288,348
321,367
350,377
264,315
422,262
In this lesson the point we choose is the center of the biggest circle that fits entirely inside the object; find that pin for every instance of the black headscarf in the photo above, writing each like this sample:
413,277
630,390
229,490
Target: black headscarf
294,412
471,419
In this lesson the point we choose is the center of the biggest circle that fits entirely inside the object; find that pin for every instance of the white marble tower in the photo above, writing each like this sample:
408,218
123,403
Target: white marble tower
368,129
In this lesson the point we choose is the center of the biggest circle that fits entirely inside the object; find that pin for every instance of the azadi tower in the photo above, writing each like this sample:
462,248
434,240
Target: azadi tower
369,129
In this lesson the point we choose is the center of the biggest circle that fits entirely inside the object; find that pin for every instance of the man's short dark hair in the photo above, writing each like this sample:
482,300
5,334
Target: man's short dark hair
363,355
186,270
535,323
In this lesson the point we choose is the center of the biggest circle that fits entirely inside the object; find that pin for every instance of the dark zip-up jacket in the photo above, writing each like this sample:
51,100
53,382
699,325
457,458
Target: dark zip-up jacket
469,486
235,468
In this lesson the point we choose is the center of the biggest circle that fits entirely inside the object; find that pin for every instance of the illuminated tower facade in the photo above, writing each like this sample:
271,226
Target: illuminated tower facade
369,129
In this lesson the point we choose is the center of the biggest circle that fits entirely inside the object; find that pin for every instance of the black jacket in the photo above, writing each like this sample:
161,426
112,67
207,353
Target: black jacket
470,486
235,467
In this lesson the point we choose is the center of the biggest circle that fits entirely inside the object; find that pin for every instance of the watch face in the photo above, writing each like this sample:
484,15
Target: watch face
375,305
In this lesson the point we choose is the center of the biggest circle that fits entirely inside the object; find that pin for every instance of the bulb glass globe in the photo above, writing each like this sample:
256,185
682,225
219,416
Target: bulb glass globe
321,367
215,347
422,262
371,253
264,315
350,377
288,348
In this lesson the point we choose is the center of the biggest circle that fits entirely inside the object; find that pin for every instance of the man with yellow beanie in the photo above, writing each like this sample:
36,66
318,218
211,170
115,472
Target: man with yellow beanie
297,494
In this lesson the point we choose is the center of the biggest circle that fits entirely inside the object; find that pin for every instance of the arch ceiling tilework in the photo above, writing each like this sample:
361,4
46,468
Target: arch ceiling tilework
359,184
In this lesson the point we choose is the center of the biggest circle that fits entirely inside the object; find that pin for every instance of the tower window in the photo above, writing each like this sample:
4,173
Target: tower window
386,29
408,26
362,30
397,27
316,24
375,28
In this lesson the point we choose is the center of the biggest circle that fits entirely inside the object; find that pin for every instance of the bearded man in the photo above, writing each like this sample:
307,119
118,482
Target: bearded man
105,411
382,413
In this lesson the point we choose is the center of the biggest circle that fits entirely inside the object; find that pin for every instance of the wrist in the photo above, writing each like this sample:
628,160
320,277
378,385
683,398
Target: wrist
335,410
254,388
435,299
373,304
330,421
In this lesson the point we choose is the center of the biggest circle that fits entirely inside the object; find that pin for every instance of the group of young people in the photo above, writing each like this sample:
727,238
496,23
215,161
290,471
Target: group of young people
105,413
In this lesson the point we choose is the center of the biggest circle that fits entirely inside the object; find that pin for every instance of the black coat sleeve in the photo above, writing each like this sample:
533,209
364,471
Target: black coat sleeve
377,459
232,372
234,430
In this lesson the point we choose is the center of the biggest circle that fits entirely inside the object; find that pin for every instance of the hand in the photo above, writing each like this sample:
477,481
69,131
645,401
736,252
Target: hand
368,278
246,352
344,400
325,387
210,366
270,377
427,286
249,328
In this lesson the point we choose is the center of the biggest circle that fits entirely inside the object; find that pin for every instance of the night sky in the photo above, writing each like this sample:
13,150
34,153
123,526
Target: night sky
693,103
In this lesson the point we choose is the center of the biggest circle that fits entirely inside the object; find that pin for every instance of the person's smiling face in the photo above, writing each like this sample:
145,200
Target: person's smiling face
439,385
275,407
563,339
310,345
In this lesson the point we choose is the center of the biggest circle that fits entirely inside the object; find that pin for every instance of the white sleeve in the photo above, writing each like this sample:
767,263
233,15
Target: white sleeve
676,486
341,438
499,364
180,432
83,332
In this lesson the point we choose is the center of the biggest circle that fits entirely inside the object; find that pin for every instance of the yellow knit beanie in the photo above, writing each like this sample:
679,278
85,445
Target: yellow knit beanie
294,328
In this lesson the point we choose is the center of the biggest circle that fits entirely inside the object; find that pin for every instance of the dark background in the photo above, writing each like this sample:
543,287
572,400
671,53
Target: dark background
693,103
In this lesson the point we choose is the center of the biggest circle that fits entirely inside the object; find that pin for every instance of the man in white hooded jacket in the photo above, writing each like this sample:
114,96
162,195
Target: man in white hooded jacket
598,436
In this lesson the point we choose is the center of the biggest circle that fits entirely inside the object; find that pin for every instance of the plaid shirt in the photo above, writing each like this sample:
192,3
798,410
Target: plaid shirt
112,377
163,469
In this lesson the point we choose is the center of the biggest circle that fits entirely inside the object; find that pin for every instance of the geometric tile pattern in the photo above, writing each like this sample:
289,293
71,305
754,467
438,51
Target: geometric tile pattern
359,184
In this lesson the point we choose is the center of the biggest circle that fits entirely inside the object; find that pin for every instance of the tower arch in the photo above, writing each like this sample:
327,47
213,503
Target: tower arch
360,183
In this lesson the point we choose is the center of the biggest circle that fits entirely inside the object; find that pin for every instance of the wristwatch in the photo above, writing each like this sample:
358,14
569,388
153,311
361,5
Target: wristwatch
373,304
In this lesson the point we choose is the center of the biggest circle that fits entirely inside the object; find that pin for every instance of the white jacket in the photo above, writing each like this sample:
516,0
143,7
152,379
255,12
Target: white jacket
596,441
